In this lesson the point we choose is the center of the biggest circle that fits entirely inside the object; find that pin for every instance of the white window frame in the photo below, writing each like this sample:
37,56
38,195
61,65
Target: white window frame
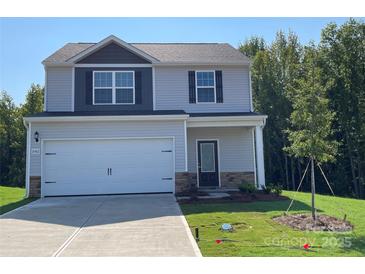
196,87
114,87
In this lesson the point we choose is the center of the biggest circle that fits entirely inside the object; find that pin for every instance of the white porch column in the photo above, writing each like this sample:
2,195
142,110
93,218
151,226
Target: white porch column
260,167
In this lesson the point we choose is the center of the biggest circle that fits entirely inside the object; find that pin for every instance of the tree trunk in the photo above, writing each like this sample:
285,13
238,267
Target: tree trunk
313,189
361,179
352,165
354,181
286,172
292,169
299,166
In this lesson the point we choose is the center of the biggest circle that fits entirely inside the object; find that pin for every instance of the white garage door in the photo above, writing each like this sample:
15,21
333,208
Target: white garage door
85,167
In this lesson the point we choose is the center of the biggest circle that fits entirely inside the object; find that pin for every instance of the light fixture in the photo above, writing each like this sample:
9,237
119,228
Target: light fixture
36,136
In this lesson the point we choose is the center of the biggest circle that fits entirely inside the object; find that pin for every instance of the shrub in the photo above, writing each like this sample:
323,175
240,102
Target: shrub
247,188
277,189
267,189
271,188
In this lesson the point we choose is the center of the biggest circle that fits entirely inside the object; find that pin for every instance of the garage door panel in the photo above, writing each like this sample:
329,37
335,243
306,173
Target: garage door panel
81,167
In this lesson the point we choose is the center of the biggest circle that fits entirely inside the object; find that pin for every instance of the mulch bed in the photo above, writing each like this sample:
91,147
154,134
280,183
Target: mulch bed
234,198
322,223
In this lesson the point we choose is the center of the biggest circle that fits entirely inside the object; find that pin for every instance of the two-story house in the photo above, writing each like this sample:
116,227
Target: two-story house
144,118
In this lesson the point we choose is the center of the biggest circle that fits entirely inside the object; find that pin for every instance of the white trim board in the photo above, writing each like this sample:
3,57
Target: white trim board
167,64
250,88
45,90
254,155
173,117
27,159
113,65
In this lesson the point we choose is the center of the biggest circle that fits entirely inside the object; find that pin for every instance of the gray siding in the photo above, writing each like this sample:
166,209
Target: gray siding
109,130
113,54
59,89
235,147
83,97
172,89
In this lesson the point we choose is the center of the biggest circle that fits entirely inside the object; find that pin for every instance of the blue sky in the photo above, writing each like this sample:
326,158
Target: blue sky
25,42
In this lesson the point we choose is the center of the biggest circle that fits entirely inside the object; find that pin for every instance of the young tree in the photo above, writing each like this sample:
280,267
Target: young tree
311,119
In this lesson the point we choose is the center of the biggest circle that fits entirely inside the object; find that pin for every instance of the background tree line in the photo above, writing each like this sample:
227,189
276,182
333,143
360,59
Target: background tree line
276,70
13,134
279,75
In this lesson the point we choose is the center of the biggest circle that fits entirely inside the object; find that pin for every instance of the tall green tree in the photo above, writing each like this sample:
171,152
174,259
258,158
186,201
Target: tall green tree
13,134
343,51
9,136
311,119
274,68
33,100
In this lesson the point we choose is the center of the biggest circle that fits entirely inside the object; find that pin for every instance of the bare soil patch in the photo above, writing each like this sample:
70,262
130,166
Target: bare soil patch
322,223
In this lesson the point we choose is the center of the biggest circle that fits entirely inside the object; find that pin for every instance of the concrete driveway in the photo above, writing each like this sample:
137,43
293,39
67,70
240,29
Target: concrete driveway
133,225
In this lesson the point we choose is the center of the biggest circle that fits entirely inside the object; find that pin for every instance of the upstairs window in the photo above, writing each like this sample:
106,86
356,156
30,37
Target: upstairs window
103,87
205,87
124,87
114,87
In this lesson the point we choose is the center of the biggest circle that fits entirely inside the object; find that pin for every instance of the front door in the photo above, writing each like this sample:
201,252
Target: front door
208,164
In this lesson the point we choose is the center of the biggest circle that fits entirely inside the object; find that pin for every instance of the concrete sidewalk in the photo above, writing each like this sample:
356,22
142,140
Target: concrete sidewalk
132,225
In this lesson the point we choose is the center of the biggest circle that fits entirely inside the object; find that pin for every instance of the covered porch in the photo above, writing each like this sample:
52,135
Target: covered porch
223,151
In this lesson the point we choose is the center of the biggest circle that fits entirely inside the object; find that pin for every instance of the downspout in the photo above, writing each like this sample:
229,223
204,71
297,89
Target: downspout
27,157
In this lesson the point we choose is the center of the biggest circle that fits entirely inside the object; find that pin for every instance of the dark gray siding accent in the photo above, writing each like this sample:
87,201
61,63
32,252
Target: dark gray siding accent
113,54
83,90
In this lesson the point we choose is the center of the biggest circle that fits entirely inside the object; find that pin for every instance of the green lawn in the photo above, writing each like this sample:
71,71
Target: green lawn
256,234
12,197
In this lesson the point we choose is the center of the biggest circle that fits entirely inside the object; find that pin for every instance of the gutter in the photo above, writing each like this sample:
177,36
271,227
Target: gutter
108,118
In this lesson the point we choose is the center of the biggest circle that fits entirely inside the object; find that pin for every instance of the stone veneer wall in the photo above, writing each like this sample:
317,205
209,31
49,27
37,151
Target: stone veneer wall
234,179
34,186
185,181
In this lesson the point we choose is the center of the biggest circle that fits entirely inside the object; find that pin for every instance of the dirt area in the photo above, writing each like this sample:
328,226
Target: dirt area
234,197
322,223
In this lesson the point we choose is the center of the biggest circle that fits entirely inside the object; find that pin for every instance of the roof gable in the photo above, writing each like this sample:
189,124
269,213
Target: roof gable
113,53
110,39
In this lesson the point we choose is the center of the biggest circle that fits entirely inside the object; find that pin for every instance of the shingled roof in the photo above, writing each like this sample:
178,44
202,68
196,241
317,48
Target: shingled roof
179,53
